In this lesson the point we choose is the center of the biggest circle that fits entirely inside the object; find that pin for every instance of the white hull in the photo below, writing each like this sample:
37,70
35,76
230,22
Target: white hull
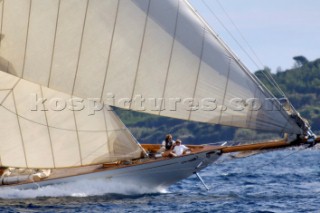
155,175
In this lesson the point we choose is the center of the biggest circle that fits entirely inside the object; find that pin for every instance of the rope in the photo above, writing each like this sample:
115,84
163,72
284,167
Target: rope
268,76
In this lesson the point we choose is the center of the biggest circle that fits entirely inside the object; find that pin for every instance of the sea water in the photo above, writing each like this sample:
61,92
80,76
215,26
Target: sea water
279,181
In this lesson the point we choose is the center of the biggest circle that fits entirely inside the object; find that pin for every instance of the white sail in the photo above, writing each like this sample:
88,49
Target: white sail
157,53
43,128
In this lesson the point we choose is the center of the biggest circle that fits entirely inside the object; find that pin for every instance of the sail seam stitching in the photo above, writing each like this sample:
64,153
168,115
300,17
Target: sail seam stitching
140,53
80,48
5,98
127,131
54,42
57,128
53,127
225,91
11,90
20,129
170,59
199,69
78,137
88,154
245,70
251,111
110,51
27,37
75,78
48,128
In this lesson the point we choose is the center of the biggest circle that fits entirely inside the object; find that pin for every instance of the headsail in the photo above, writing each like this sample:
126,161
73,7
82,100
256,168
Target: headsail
153,56
43,128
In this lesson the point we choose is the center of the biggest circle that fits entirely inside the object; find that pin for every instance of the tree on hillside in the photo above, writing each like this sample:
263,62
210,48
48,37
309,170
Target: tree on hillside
300,60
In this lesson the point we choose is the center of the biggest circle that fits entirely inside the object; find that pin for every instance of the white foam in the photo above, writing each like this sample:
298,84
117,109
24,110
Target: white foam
79,189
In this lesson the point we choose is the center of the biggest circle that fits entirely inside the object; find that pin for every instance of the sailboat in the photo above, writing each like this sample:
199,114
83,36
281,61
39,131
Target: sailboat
65,63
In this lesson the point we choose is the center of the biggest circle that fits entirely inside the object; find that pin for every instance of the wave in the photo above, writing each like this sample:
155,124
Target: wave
84,188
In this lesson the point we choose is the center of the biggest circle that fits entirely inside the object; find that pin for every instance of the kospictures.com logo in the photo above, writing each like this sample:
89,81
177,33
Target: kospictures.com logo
139,103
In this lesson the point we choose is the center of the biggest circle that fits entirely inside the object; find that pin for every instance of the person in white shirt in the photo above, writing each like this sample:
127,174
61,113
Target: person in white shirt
179,149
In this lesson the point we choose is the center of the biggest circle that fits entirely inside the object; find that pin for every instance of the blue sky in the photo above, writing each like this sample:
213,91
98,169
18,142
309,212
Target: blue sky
276,30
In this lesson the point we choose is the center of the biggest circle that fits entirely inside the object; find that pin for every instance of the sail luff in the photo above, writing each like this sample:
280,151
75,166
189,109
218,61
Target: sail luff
130,134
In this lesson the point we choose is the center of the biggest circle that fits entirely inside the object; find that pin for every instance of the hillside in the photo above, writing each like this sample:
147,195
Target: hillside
301,85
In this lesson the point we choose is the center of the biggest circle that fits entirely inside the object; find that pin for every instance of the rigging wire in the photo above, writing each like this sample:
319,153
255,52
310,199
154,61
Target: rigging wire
266,74
241,34
255,79
229,32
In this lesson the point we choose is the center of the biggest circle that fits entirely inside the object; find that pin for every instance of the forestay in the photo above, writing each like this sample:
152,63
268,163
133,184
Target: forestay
43,128
155,56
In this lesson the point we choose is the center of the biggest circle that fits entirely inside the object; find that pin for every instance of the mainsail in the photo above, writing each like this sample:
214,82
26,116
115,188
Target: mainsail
154,56
43,128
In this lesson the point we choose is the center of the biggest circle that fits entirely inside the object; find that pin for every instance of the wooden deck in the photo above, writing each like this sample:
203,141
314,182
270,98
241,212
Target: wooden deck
153,149
149,148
